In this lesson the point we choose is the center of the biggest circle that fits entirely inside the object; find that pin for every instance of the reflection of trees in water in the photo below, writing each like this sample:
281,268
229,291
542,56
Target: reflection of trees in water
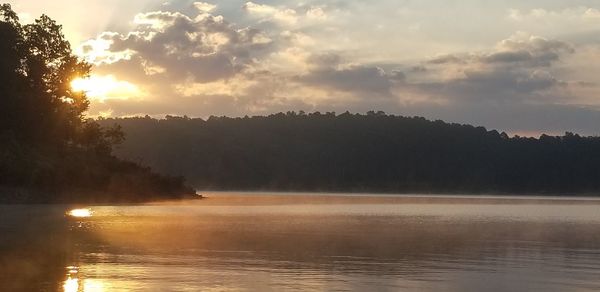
33,248
39,248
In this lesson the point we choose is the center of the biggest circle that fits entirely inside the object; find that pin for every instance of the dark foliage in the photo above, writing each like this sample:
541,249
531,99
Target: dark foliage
46,143
352,152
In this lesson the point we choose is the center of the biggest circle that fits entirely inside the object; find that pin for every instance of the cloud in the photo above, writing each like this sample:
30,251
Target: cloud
198,63
324,60
267,12
330,71
446,59
580,13
205,48
317,13
534,50
519,68
523,48
579,24
302,15
98,51
204,7
509,57
592,14
357,79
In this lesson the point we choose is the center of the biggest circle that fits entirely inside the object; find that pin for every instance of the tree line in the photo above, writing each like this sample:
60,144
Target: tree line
47,145
372,152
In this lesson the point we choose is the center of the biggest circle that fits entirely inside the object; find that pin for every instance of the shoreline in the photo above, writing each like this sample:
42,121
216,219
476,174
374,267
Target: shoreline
32,196
28,196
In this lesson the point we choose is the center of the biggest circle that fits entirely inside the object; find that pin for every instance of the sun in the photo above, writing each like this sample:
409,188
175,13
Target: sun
102,88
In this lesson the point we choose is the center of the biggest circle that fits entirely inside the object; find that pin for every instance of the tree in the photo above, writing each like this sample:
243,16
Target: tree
45,139
352,152
39,106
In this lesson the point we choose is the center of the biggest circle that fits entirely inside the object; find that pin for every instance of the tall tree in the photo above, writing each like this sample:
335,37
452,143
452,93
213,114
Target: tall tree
45,139
39,105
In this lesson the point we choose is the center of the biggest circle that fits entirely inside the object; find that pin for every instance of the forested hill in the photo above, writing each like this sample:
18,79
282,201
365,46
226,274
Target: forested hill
352,152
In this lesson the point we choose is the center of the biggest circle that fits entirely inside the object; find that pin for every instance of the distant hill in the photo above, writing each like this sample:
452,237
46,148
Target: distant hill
353,152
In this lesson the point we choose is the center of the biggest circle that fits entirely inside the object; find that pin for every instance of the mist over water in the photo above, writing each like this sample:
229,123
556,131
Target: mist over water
308,242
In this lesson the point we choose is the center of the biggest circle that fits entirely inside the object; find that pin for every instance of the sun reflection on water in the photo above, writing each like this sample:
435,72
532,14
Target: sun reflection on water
71,285
75,283
72,282
81,213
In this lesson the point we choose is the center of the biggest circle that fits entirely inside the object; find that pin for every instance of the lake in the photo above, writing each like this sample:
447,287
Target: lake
305,242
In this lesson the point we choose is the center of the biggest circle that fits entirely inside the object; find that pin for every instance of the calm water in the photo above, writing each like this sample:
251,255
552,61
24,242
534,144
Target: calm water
270,242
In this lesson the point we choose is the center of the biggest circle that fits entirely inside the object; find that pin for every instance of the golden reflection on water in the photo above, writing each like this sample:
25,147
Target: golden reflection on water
81,213
72,282
75,283
256,243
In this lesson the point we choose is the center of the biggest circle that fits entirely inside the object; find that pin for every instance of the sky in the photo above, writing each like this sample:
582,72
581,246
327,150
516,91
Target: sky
524,67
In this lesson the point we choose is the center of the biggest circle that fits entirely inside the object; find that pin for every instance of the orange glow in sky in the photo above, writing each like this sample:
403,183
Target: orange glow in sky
102,88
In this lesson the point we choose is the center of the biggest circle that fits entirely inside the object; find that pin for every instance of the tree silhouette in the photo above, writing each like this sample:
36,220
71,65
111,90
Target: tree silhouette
375,152
39,66
47,142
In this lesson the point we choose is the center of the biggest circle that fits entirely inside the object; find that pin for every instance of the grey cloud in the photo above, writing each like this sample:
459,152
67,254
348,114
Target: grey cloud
397,75
447,59
495,85
132,70
538,44
508,57
325,60
536,51
353,79
533,51
329,70
418,69
206,48
519,69
509,80
586,84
